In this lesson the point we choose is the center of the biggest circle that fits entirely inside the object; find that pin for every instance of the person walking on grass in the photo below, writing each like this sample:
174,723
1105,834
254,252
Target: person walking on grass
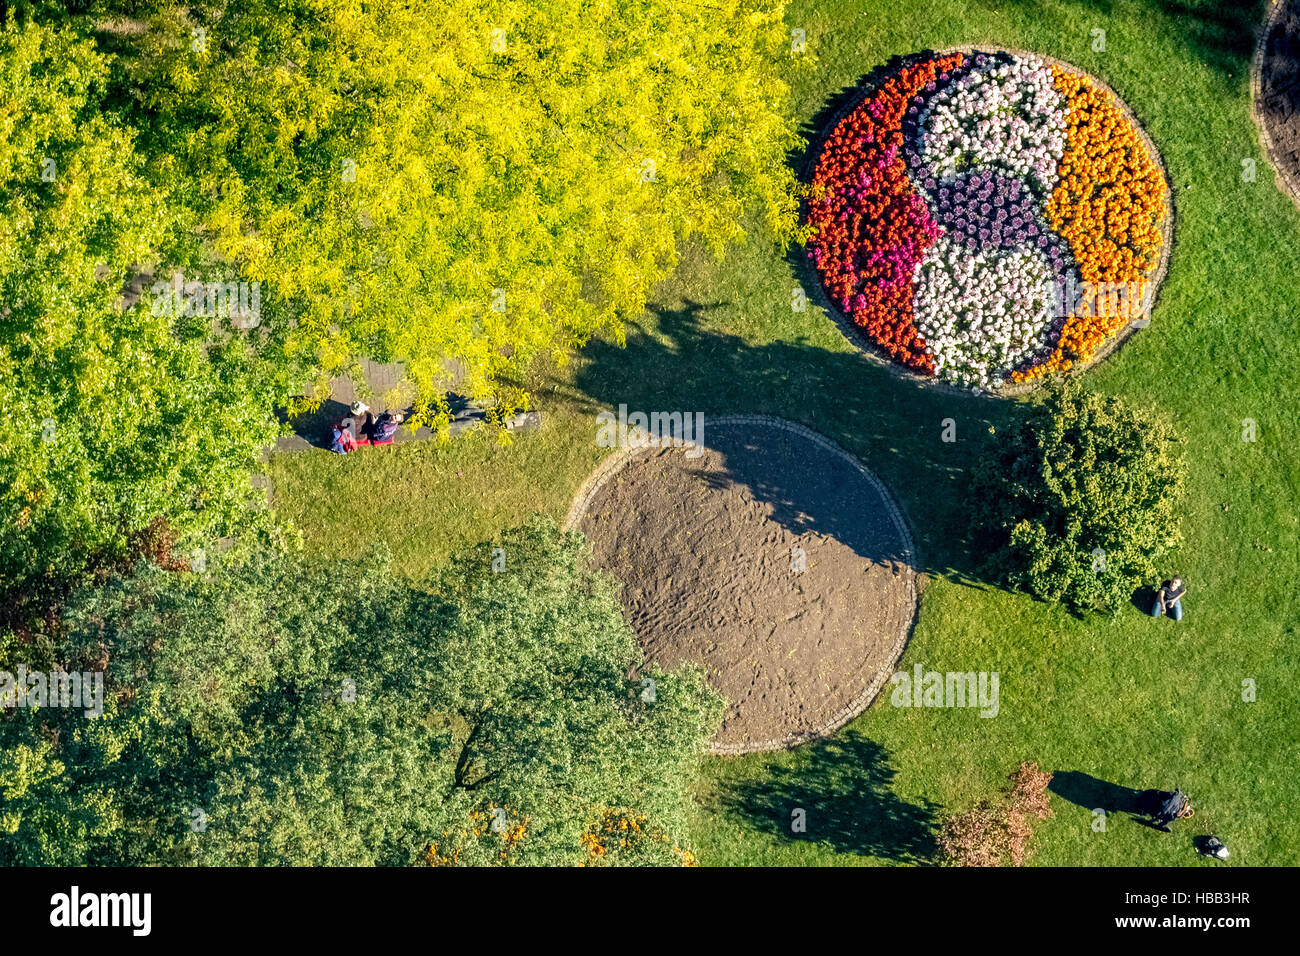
1169,599
1163,807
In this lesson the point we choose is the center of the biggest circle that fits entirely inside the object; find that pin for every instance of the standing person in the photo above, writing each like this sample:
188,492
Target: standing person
1164,807
1169,599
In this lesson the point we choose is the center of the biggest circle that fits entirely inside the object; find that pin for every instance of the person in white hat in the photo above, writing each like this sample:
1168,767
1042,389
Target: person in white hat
361,422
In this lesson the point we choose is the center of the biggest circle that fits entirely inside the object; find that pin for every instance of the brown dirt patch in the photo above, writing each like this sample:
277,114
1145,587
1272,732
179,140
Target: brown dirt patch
705,549
1275,85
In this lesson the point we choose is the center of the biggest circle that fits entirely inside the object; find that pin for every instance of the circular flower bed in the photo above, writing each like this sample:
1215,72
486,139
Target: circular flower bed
986,218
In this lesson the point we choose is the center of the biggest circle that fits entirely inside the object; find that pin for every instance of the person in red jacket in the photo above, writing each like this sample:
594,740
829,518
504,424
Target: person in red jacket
341,440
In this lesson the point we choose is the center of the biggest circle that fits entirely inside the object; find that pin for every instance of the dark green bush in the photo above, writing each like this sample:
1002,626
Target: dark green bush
1081,502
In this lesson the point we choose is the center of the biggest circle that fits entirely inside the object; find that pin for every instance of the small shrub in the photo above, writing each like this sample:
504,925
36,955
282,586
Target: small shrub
991,833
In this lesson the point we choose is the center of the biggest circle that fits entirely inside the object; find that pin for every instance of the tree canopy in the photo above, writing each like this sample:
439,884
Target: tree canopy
457,185
289,710
473,180
114,417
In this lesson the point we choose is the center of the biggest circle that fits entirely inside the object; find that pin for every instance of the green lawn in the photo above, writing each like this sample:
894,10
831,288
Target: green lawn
1129,700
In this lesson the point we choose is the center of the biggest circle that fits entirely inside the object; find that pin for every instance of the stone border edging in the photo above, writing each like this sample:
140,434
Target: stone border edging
1287,181
872,351
621,458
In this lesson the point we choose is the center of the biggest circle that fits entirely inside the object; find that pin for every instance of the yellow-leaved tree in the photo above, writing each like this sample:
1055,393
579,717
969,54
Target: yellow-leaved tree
482,181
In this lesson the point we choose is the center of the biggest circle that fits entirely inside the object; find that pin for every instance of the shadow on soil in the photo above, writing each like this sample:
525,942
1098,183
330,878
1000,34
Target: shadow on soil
893,426
844,786
1279,100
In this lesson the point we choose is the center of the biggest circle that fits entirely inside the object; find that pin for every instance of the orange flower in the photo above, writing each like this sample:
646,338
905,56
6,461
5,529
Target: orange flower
1109,204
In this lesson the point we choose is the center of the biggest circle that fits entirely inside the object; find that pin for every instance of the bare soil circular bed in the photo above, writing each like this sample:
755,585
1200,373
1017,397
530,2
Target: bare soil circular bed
1275,88
771,557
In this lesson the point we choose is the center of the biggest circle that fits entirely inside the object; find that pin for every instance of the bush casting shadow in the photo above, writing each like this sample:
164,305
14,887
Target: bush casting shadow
844,787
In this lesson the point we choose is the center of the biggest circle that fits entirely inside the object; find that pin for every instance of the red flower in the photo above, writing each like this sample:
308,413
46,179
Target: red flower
869,226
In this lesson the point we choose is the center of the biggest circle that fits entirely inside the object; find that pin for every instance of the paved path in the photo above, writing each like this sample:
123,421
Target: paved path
385,381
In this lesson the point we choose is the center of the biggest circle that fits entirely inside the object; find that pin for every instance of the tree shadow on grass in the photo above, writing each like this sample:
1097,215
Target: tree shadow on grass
675,361
1219,34
844,788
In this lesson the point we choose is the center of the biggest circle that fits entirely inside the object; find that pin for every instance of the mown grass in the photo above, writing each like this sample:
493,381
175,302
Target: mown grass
1128,700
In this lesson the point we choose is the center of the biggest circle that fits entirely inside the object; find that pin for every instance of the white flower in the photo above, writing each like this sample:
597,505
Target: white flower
981,313
1006,114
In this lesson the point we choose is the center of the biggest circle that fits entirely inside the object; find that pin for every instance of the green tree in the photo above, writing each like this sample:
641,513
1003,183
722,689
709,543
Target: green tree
114,416
328,713
1081,502
472,180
